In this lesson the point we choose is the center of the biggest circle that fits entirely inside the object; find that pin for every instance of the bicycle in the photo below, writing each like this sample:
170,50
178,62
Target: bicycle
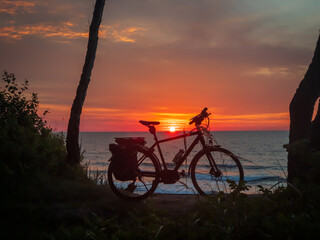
210,169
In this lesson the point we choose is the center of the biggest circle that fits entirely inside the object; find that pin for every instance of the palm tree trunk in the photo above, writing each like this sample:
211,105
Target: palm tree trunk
72,142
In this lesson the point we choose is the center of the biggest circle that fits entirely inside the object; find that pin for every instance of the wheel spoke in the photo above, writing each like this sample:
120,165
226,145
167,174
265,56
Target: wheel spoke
207,181
144,184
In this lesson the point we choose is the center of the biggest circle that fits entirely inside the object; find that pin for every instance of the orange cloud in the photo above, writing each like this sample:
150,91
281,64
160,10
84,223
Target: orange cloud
122,35
109,119
252,117
65,30
268,71
43,30
264,121
224,122
13,7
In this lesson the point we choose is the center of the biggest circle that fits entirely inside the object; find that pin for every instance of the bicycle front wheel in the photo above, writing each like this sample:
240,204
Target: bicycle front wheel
206,180
145,183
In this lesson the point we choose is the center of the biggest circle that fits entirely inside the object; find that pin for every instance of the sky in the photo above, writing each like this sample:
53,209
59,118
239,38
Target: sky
163,60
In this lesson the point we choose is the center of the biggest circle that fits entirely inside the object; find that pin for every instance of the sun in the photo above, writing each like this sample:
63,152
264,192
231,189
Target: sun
172,129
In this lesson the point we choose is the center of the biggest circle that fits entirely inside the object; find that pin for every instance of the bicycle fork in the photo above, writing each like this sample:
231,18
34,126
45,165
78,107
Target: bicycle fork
214,170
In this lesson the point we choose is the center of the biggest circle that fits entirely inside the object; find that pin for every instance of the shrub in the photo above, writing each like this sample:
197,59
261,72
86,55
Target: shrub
27,145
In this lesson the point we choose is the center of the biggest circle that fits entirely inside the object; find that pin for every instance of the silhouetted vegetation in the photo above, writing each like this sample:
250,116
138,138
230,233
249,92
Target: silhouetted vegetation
42,197
33,167
27,146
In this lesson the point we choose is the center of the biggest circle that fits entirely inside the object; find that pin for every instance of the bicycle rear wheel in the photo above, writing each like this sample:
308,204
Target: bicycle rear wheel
203,177
145,183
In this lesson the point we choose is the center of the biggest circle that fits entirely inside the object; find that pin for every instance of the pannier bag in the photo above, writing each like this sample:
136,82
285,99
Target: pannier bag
124,157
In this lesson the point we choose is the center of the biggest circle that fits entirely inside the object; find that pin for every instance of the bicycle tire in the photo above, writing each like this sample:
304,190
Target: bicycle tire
144,185
205,182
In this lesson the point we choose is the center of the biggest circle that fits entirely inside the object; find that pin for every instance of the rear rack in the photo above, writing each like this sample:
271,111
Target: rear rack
131,140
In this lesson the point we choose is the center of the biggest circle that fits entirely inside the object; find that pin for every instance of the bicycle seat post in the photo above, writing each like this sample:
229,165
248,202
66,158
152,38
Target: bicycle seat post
152,130
151,126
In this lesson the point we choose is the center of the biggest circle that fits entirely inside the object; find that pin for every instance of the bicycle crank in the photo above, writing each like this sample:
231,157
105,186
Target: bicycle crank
169,176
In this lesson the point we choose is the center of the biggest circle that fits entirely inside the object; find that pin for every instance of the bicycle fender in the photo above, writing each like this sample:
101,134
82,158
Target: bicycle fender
153,155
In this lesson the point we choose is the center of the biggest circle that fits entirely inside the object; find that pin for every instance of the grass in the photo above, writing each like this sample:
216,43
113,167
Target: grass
42,197
80,209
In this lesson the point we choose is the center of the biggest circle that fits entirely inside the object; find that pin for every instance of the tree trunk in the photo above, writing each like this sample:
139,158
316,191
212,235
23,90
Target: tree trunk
72,142
315,130
301,111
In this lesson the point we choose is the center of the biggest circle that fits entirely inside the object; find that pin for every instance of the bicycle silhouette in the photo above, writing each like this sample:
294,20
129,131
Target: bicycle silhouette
210,169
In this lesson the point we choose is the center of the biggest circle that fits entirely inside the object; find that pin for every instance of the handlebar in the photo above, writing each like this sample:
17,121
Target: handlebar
200,117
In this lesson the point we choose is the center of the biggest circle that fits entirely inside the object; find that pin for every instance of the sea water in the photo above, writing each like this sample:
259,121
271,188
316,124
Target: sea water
261,153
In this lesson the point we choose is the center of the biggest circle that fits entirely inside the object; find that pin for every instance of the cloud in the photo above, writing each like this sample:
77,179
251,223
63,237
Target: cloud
159,56
252,117
116,119
119,34
63,30
277,71
267,71
68,30
57,19
266,121
15,7
108,119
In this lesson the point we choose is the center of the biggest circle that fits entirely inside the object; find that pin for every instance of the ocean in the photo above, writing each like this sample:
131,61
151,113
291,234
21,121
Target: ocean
261,153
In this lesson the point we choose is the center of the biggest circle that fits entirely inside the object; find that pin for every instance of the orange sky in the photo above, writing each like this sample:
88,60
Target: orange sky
163,60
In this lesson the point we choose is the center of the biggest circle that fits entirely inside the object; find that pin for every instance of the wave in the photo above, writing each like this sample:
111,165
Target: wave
251,179
269,167
101,163
94,171
260,179
255,167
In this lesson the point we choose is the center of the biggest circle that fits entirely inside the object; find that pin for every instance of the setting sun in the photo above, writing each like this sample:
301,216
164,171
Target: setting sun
172,129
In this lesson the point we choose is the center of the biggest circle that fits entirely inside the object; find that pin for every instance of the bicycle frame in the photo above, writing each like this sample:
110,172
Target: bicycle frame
198,139
206,177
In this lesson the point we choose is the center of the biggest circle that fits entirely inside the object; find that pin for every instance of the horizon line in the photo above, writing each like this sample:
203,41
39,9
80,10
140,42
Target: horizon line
276,130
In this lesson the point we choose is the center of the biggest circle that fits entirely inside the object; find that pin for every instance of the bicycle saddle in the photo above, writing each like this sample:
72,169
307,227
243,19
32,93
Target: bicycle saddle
147,123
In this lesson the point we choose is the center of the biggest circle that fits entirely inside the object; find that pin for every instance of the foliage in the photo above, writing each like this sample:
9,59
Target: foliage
44,198
33,168
16,109
279,214
26,144
238,189
31,154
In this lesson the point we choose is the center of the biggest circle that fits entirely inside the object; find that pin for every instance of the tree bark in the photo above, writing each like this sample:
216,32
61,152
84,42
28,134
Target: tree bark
301,111
315,130
72,142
